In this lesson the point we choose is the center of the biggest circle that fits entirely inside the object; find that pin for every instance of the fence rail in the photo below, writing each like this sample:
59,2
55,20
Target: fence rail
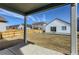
12,33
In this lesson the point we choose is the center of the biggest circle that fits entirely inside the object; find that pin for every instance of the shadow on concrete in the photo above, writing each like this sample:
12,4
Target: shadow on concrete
6,43
13,45
17,48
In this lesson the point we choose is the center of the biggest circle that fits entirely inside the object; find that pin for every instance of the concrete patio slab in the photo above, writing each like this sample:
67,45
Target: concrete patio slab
32,50
6,52
37,50
16,49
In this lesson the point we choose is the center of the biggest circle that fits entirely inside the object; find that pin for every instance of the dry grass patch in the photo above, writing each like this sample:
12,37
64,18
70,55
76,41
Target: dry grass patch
60,43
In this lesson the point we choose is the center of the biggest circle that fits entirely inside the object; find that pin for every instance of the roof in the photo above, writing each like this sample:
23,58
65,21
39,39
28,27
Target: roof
29,8
39,23
2,19
13,26
59,20
28,25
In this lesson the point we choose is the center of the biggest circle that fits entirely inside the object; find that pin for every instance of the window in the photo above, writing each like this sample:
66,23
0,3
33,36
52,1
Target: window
53,28
63,27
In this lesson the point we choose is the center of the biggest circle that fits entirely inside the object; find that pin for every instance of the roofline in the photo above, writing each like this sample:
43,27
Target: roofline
58,19
39,22
63,20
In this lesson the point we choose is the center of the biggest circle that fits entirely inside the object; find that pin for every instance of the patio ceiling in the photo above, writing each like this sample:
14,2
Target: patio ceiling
29,8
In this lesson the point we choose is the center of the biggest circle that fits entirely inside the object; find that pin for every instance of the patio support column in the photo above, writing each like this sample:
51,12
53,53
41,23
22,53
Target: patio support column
74,50
25,39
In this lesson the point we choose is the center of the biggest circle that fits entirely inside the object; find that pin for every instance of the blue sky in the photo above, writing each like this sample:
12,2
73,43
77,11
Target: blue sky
61,13
11,17
46,16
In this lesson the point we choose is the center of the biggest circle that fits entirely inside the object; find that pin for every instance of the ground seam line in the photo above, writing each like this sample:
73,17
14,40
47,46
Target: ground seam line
11,51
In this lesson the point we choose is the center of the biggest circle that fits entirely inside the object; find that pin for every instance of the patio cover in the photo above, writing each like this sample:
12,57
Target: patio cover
29,8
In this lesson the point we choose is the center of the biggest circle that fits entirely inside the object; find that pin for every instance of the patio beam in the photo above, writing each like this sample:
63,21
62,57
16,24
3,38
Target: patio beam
74,50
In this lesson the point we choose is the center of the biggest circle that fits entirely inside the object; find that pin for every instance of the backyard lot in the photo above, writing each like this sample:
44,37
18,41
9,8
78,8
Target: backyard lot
59,43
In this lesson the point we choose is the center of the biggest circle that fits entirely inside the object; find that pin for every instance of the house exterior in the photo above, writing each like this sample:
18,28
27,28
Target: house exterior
38,25
12,27
3,24
19,27
57,26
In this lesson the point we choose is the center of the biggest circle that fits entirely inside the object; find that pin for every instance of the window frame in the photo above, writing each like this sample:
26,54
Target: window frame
64,28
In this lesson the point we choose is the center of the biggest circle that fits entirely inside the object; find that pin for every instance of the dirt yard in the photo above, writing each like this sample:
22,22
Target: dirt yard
59,43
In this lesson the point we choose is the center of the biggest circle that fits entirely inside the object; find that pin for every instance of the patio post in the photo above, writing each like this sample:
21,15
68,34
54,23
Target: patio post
74,50
25,40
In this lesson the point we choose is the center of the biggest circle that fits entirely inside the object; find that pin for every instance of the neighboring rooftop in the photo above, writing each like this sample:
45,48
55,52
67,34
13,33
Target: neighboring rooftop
28,25
39,23
2,19
59,20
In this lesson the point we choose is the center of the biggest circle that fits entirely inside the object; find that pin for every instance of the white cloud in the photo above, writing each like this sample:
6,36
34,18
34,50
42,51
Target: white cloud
32,18
5,12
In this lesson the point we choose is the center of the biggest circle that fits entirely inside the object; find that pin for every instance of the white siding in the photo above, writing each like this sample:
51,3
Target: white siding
21,27
58,24
2,27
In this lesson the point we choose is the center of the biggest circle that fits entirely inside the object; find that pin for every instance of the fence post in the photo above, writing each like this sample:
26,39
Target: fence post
1,35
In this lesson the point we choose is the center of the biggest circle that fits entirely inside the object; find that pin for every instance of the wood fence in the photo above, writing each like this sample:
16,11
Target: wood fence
13,33
34,31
